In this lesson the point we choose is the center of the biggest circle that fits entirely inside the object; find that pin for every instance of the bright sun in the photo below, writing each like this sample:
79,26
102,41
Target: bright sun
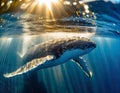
47,3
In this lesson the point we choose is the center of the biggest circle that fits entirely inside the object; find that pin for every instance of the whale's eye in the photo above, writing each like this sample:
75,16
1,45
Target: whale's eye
87,46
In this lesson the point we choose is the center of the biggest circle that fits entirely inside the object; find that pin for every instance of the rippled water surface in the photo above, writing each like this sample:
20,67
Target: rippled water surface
19,30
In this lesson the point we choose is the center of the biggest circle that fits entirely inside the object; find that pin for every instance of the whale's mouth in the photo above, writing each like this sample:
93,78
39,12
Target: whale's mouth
91,45
94,45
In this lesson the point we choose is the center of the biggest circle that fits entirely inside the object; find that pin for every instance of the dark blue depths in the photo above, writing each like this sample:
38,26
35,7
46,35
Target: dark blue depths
104,62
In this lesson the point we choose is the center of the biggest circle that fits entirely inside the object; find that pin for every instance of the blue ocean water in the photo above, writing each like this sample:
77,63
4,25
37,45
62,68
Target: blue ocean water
19,31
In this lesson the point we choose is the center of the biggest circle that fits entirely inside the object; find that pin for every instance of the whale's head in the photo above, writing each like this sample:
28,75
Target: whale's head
76,46
80,43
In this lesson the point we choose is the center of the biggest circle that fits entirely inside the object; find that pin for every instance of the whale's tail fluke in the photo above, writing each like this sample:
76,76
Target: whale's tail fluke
82,63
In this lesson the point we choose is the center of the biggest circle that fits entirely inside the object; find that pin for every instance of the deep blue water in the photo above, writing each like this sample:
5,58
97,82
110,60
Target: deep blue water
19,31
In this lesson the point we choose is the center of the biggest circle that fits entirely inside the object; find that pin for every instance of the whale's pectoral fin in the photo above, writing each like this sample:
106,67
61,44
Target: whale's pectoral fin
29,66
83,64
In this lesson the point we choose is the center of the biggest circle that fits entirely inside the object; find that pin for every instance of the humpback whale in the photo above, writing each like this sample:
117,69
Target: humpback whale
55,52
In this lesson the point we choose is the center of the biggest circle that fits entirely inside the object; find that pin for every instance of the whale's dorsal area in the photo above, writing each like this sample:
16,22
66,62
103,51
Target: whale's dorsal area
56,52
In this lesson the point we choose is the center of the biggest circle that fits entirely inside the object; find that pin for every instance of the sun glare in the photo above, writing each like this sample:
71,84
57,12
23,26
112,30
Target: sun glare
47,3
54,9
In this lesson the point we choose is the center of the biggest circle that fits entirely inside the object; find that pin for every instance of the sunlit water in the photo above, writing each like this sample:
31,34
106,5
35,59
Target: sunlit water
19,32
